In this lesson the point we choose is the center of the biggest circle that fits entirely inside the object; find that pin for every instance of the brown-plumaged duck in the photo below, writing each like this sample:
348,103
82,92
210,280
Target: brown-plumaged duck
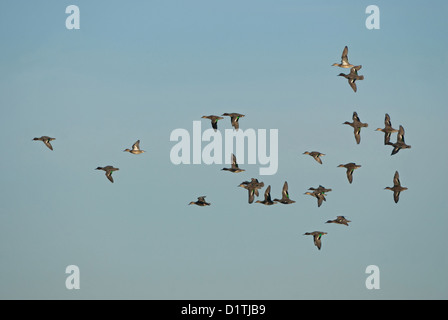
46,140
388,130
317,235
397,188
356,125
201,202
109,170
352,77
316,155
339,220
400,144
285,195
350,168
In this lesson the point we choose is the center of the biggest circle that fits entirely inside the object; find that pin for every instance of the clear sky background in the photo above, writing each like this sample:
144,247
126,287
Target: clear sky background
140,69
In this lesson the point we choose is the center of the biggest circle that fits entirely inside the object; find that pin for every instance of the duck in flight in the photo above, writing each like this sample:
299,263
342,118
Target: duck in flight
352,77
357,125
234,167
46,140
201,202
350,168
388,130
400,144
214,120
397,188
339,220
234,117
344,60
267,197
319,194
135,148
285,195
252,188
109,170
317,235
316,155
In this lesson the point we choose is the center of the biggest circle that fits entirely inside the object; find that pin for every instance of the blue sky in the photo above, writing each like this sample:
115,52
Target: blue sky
141,71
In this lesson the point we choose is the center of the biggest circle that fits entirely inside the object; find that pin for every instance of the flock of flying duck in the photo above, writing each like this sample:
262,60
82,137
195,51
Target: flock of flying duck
320,192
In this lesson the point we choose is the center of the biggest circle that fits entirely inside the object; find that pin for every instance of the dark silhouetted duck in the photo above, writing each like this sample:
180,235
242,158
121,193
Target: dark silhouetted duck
316,155
397,188
339,220
234,167
285,195
344,60
234,117
357,125
135,148
109,170
214,120
352,77
350,168
400,144
267,197
46,140
317,235
388,130
201,202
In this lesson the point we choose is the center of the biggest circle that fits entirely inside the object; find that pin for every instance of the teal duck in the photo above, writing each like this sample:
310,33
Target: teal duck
234,117
397,188
357,125
135,148
201,202
388,130
109,170
214,120
234,167
400,144
46,140
344,60
285,195
252,188
352,77
316,155
267,197
319,193
339,220
350,168
317,235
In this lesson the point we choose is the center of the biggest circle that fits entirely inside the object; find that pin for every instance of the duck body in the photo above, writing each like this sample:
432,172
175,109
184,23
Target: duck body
234,166
344,60
388,129
316,155
400,144
252,187
108,170
317,236
285,195
319,194
135,148
214,120
397,188
356,125
352,77
339,220
350,168
46,140
267,197
200,202
234,118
